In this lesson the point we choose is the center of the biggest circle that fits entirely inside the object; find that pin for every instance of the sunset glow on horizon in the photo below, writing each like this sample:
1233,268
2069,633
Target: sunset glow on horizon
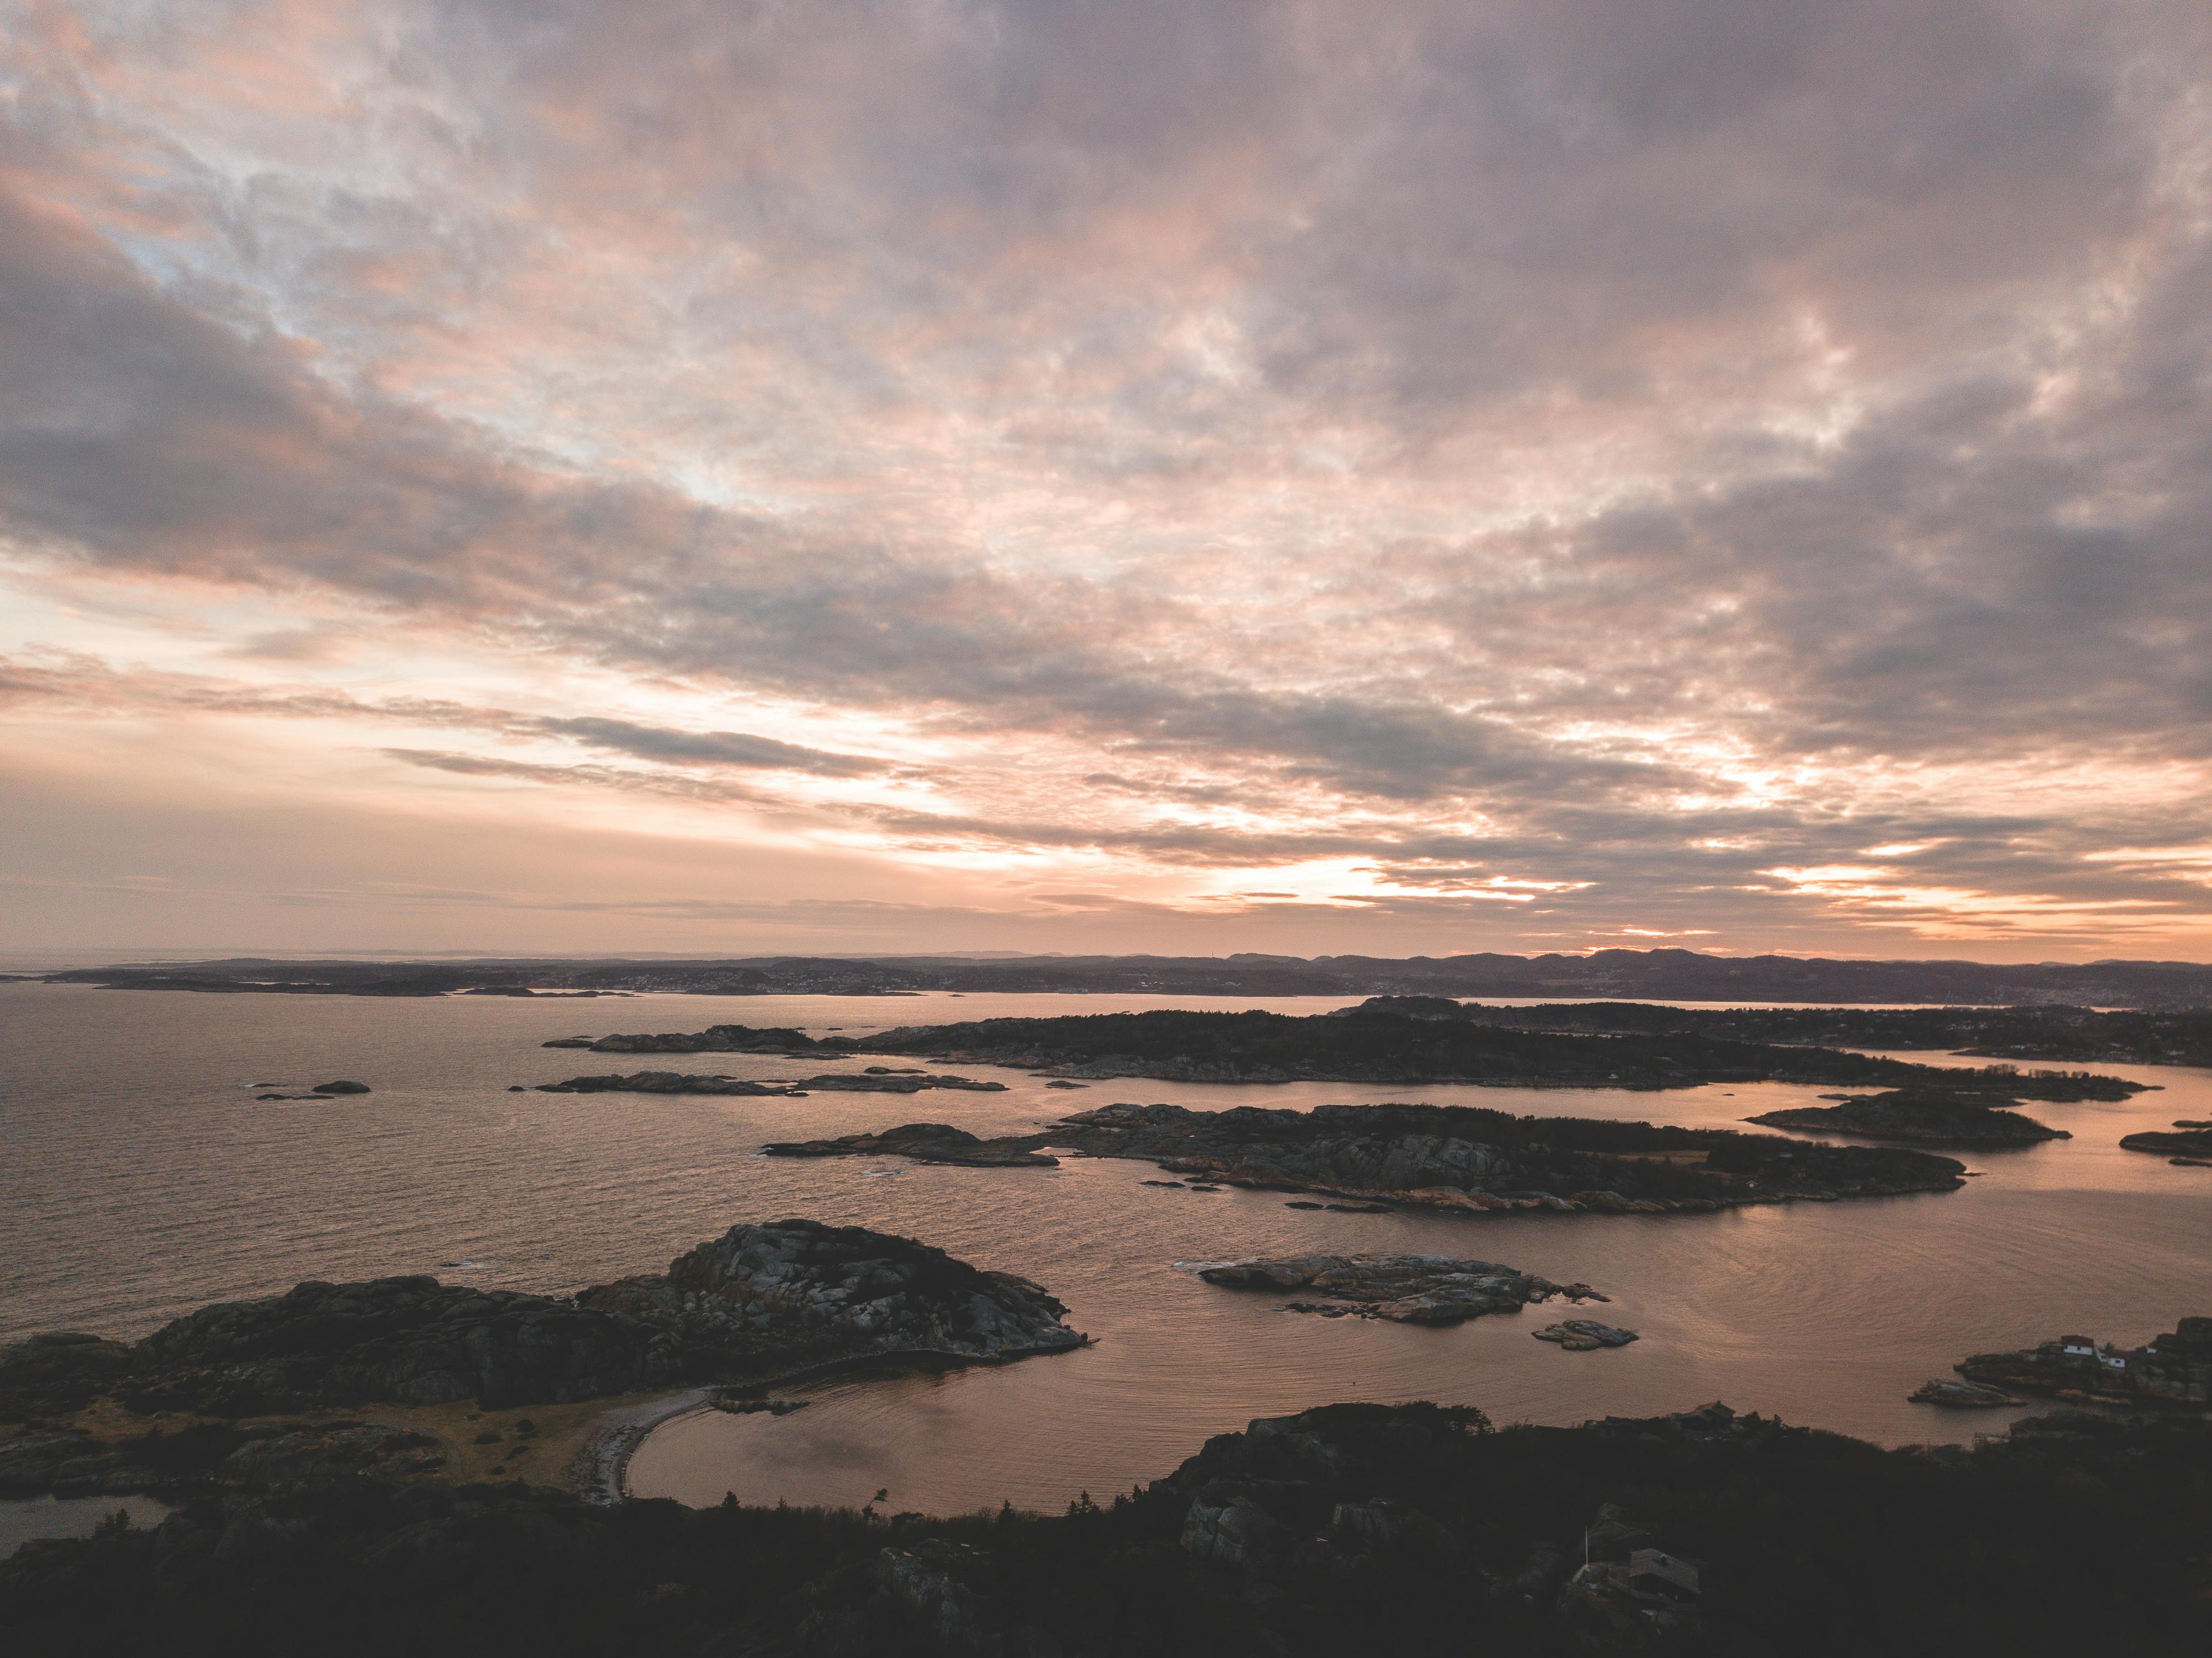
1309,478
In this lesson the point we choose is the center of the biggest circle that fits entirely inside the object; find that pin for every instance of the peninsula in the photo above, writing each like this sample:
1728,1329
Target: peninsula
760,1303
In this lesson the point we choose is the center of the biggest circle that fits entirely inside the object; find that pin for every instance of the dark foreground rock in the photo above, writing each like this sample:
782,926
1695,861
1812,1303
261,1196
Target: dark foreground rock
1404,1288
1458,1157
876,1079
2174,1370
67,1463
1931,1116
759,1300
1349,1528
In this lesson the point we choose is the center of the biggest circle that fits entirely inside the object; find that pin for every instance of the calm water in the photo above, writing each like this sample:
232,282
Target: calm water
140,1179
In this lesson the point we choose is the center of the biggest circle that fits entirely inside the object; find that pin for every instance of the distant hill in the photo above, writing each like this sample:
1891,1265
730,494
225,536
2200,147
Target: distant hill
1662,974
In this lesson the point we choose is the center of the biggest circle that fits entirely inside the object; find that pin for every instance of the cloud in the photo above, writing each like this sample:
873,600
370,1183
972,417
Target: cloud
1596,457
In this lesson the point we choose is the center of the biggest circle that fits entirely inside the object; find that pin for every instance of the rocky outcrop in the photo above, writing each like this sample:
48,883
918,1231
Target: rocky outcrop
1961,1395
1583,1335
799,1286
1456,1157
61,1372
876,1079
662,1082
2171,1370
715,1039
883,1080
320,1092
921,1142
757,1302
1928,1116
1404,1288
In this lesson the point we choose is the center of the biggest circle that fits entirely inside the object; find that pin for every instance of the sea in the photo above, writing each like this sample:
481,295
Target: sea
140,1179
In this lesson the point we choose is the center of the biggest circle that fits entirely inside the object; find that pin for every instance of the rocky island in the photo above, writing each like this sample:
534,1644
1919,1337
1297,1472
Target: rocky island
759,1303
2071,1035
923,1141
876,1079
2185,1146
1931,1117
1373,1043
1457,1157
1402,1288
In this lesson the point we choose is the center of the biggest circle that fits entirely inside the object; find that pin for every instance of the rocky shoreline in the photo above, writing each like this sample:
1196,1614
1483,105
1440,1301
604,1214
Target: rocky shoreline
2173,1371
1460,1158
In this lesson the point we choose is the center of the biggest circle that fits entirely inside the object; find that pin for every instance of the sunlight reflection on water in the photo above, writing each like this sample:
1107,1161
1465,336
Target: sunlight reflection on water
141,1180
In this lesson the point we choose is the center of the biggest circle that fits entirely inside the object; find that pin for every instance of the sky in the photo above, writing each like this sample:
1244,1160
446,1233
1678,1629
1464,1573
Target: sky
1298,477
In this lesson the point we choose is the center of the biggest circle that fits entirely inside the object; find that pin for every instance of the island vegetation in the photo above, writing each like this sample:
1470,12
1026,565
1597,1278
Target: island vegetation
1462,1158
1928,1116
1348,1529
760,1303
2178,1034
1376,1045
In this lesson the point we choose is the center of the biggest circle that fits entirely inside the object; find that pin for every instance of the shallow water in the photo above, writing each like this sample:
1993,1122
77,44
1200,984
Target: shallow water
140,1180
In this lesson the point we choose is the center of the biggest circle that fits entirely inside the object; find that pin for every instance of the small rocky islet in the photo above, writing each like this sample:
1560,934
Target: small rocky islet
876,1079
1398,1288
